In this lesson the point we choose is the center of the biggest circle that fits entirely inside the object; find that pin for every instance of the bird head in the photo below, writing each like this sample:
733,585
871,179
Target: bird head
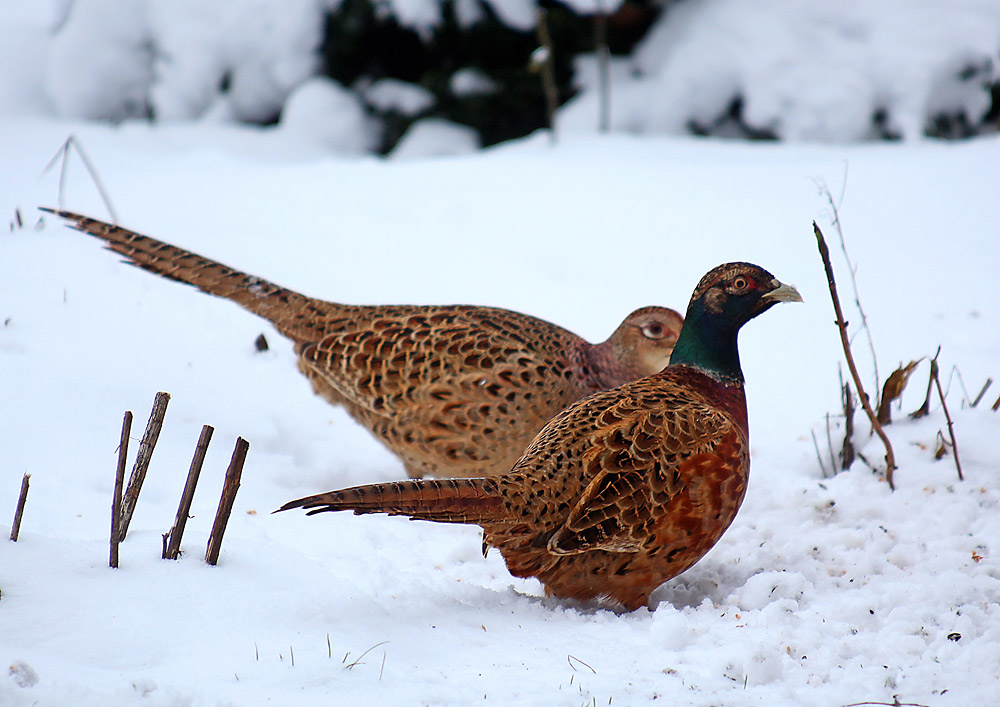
727,297
646,338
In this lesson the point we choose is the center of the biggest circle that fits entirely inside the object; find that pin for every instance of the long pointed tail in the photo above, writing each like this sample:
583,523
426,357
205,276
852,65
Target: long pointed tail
442,500
295,315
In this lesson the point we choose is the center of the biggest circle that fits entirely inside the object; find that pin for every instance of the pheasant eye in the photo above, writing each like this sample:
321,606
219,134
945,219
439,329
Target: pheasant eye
653,330
740,283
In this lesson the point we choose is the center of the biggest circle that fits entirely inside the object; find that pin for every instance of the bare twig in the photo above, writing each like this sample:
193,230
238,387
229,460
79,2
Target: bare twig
819,457
116,498
63,152
852,269
172,547
847,453
996,405
571,658
603,67
947,416
824,251
829,446
357,662
982,392
925,408
229,489
22,497
543,59
142,457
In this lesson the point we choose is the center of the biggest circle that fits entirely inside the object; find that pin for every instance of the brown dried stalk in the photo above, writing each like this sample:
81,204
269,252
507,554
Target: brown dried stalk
142,458
116,499
544,61
824,251
847,455
603,67
229,489
852,270
22,498
172,543
982,392
925,408
947,416
893,389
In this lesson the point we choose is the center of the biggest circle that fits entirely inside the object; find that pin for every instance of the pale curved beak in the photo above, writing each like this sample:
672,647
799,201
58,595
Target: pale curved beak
782,293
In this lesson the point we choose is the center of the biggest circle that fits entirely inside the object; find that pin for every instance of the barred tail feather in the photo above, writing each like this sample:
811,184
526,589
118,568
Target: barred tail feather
260,296
441,500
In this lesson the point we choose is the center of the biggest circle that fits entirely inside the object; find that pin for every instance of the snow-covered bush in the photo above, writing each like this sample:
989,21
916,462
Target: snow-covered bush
808,70
118,59
772,69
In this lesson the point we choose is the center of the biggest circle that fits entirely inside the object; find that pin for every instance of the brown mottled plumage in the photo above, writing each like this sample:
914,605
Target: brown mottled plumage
626,488
452,390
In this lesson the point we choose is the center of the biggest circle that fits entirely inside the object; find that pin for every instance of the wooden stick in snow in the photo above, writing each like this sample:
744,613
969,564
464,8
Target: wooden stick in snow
116,500
824,251
229,489
172,546
15,529
142,462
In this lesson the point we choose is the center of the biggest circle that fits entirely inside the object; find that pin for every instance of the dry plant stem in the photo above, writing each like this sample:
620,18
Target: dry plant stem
63,152
142,458
947,416
116,499
925,408
986,386
15,528
829,446
996,405
229,489
603,67
890,457
548,73
854,280
847,454
819,457
172,546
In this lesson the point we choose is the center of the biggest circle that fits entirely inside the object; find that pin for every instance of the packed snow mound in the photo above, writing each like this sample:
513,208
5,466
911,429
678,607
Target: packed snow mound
325,112
433,137
804,71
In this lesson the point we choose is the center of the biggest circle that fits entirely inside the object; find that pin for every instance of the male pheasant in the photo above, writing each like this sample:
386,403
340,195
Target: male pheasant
626,488
452,390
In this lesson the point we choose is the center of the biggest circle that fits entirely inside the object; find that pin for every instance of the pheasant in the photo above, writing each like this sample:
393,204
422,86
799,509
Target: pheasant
452,390
625,488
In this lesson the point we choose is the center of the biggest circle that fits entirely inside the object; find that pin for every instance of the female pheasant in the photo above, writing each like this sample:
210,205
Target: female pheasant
626,488
451,390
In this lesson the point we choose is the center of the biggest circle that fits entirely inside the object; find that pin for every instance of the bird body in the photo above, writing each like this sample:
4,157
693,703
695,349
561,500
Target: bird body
454,390
627,487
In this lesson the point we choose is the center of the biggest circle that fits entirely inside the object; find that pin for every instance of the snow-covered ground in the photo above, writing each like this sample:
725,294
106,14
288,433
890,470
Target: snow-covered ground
825,591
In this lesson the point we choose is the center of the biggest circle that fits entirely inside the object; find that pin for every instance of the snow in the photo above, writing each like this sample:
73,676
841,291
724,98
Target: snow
824,591
435,137
469,82
118,59
322,111
807,70
393,94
